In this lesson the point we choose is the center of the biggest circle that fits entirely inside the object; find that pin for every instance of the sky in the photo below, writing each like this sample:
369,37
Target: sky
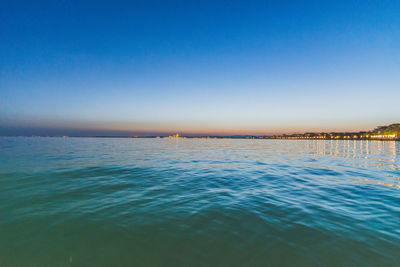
198,67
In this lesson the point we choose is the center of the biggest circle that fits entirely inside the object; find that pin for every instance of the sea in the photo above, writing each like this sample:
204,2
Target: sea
198,202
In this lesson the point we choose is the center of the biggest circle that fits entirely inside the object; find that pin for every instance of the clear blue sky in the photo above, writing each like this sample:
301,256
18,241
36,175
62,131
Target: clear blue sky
216,67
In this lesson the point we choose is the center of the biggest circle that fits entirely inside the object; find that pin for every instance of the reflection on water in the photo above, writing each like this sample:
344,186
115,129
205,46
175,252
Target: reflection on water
357,149
184,202
351,148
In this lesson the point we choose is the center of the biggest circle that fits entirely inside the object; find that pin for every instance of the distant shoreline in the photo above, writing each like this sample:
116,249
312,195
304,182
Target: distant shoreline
380,133
212,137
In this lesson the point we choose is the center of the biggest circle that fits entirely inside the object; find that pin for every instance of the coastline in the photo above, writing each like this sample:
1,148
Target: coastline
211,137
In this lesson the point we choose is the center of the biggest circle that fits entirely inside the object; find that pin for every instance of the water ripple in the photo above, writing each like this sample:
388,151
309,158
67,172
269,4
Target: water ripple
198,202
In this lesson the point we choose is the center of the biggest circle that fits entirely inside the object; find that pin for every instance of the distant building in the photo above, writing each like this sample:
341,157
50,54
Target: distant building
174,136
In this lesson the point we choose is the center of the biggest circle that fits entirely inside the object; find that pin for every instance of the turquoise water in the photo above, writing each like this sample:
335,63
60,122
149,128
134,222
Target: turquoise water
193,202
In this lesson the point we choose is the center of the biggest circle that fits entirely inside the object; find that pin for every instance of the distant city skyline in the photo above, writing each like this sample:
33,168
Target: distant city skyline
209,67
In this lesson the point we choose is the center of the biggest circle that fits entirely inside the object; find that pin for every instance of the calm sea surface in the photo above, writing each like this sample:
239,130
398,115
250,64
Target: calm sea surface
192,202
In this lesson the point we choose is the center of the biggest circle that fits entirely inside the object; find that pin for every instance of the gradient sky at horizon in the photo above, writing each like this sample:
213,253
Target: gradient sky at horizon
206,67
